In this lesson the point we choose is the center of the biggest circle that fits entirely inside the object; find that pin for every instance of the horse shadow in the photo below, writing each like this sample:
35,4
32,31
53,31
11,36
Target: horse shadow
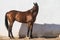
41,30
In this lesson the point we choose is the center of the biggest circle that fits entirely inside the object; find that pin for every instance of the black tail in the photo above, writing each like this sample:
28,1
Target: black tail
6,21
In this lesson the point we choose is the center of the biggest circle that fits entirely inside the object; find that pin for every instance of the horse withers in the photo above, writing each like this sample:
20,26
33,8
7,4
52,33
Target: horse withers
27,17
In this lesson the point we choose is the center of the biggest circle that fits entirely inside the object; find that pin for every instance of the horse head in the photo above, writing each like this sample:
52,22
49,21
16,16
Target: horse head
35,9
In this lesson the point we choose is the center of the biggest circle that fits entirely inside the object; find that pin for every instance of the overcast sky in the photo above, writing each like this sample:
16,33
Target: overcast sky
49,11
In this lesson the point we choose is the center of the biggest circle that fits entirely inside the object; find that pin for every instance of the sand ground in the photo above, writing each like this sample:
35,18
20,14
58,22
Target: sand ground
7,38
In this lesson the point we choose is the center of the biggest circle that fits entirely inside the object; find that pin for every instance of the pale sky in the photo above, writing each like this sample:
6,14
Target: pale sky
49,12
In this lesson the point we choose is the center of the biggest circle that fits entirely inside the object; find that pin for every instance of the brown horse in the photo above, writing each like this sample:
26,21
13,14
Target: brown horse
27,17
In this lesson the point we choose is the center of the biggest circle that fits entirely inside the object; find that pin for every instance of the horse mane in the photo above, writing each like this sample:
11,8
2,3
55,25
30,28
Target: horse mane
35,4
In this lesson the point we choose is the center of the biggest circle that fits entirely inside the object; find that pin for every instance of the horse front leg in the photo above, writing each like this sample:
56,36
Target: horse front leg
31,29
28,32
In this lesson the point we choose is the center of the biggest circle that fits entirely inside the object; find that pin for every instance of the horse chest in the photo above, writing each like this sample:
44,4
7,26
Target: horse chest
28,18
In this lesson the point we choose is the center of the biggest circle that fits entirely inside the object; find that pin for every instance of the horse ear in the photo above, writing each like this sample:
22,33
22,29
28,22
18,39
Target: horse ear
34,3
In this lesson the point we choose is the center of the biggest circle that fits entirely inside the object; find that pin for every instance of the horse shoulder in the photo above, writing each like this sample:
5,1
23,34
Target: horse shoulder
29,17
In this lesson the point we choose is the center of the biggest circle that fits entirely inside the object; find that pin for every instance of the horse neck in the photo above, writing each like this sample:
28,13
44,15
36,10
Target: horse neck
35,12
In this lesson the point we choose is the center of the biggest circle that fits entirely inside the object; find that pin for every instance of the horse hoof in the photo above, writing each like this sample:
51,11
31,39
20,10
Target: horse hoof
30,37
18,37
12,38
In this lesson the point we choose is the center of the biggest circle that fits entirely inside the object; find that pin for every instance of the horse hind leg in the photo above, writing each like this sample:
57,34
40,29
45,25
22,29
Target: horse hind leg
11,33
10,30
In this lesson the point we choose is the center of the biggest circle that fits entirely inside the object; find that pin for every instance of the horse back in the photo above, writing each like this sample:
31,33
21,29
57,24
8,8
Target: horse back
20,16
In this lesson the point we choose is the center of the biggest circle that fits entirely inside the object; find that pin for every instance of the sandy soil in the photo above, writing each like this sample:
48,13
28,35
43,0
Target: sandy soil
7,38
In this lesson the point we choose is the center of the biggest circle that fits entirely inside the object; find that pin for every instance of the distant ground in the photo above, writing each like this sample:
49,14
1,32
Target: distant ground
7,38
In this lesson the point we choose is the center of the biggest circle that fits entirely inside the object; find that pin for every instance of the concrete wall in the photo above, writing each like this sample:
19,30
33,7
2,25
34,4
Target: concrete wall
50,30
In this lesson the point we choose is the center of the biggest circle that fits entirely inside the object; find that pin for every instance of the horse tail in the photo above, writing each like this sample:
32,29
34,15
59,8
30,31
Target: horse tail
6,21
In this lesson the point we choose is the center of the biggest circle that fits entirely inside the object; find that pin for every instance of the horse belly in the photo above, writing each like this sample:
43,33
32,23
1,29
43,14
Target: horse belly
21,19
